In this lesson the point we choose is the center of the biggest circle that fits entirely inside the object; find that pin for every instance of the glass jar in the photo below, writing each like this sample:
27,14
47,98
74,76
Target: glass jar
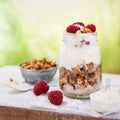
80,71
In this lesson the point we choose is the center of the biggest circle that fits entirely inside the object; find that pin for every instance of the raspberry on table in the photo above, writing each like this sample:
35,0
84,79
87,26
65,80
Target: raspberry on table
40,87
55,97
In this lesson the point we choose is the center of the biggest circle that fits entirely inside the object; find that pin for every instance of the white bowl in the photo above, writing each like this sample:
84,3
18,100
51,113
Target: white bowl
105,101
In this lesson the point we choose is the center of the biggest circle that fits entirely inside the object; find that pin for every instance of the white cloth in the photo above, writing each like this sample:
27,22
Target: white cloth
10,97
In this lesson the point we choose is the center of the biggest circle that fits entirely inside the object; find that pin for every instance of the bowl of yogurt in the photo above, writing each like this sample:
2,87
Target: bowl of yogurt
104,101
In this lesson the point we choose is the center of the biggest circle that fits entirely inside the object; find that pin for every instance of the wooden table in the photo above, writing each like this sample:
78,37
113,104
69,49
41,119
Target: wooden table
15,110
14,113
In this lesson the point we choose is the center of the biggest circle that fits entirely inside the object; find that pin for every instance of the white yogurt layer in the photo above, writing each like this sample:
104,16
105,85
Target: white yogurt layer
71,56
71,38
85,91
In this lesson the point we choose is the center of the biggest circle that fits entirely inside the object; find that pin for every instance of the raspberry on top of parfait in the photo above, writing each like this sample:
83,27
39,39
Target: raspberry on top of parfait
79,27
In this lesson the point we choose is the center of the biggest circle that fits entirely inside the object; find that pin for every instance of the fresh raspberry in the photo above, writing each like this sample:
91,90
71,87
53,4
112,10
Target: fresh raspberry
55,97
79,23
72,29
91,27
40,87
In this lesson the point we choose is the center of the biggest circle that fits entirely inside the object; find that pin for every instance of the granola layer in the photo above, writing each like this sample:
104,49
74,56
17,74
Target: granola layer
82,79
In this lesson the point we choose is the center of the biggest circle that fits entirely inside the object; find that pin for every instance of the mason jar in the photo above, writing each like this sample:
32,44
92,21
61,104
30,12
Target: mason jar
80,71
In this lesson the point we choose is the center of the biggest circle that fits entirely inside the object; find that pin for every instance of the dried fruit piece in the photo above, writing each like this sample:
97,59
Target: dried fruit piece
55,97
40,87
87,43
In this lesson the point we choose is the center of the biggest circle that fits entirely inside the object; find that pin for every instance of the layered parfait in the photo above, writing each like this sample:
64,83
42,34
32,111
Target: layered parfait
80,61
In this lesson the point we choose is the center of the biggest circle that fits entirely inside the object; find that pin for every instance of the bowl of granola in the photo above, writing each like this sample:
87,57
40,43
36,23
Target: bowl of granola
35,70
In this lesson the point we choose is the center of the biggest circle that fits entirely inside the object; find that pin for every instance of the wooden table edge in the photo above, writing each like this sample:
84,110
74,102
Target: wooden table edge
16,113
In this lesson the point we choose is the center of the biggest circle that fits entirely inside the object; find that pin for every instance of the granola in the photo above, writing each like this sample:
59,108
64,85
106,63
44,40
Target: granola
36,64
81,76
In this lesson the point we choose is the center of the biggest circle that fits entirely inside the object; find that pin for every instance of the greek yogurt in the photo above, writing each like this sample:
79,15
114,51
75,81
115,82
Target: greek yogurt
104,101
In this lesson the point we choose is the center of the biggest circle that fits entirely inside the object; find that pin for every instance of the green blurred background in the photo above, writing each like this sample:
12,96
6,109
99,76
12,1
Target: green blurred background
33,28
